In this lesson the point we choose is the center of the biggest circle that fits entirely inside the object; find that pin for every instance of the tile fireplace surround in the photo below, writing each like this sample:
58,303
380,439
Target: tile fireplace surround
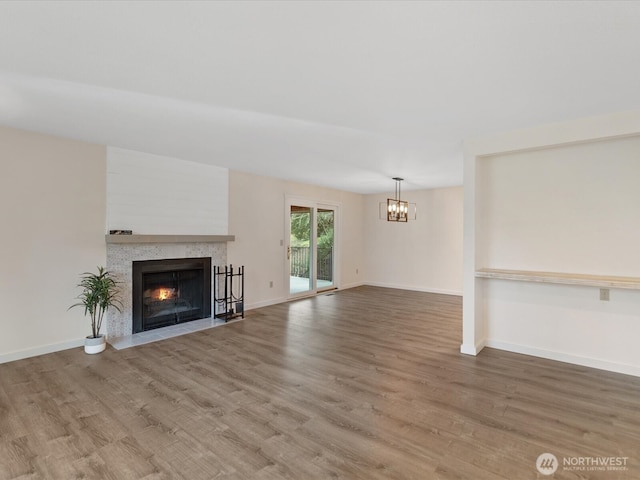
123,250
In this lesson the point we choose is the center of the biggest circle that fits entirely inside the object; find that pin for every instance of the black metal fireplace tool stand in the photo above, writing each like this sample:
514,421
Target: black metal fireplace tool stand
228,292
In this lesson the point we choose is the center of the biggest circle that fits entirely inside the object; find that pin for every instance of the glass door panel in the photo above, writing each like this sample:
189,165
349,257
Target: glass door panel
300,250
325,248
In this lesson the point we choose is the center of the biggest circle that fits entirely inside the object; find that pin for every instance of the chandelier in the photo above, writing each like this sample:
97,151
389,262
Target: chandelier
399,210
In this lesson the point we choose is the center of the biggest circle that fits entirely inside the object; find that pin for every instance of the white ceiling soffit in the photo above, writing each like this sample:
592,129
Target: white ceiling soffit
339,94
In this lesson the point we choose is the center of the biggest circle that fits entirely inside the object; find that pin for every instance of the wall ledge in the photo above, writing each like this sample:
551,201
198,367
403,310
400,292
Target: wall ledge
123,239
603,281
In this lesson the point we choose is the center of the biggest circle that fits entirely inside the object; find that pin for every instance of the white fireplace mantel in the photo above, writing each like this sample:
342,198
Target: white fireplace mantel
121,239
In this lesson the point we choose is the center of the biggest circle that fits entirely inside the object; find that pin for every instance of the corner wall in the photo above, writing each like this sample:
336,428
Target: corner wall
52,211
425,254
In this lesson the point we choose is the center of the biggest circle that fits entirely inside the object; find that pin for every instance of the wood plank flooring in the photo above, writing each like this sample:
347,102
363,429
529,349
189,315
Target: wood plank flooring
366,383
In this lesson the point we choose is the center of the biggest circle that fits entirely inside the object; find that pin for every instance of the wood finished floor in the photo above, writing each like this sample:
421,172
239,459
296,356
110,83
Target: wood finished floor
367,383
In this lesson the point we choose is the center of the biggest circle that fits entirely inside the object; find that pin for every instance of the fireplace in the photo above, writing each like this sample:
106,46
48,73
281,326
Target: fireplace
171,291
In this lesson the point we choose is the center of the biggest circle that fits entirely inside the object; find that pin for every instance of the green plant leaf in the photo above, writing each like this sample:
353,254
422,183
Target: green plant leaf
99,293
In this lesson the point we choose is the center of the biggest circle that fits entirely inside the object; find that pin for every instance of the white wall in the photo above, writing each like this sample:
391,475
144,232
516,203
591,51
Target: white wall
560,198
425,254
52,212
257,219
568,208
153,194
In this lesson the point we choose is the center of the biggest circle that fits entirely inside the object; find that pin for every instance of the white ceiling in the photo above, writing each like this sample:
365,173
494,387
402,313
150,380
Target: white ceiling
340,94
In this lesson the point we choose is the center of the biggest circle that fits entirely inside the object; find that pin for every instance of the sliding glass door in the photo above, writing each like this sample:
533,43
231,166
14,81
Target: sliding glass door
311,249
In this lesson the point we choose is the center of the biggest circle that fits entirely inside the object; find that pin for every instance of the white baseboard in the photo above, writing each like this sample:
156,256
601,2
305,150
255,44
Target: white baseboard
265,303
352,285
275,301
34,352
567,358
415,289
472,349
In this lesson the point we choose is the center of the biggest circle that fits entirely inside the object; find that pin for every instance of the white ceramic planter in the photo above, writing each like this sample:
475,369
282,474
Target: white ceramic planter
95,345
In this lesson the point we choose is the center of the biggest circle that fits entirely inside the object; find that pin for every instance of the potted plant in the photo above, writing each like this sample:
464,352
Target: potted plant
99,292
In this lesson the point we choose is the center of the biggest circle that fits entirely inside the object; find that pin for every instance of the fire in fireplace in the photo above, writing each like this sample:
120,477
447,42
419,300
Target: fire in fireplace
171,291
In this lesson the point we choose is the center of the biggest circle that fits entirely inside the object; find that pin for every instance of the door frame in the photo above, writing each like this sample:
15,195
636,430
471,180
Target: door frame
314,205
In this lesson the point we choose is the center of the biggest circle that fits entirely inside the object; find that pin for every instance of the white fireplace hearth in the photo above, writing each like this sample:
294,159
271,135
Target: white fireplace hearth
163,333
123,250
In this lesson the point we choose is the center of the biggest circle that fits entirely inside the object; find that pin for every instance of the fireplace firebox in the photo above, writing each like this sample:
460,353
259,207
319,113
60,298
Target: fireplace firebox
171,291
